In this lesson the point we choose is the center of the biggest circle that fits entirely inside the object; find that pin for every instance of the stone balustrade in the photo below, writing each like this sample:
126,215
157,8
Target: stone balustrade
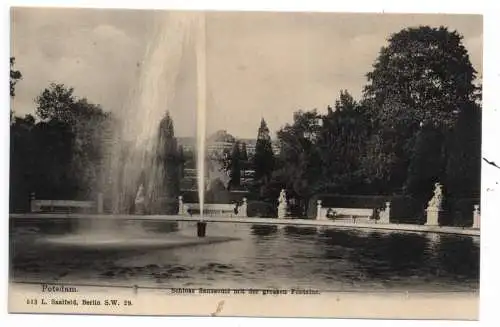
354,214
37,205
214,209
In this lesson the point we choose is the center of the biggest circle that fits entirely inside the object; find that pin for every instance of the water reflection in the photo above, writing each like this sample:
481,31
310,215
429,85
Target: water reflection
458,256
73,226
160,227
265,256
299,231
264,230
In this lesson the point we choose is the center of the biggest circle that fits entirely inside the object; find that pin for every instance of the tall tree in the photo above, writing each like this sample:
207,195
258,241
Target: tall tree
341,145
182,161
263,160
168,163
423,75
23,163
426,164
389,146
83,127
235,172
427,69
15,76
463,166
300,156
244,156
56,103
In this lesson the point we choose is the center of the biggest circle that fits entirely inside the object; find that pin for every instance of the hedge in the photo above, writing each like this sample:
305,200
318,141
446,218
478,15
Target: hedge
261,209
461,211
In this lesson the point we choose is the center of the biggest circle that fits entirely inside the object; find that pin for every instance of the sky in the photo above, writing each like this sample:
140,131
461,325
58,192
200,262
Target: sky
259,65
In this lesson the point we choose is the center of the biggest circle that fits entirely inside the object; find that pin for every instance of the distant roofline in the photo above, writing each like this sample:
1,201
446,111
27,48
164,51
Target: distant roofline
189,140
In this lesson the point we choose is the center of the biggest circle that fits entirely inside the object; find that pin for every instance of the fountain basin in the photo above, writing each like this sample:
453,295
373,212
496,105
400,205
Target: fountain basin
92,242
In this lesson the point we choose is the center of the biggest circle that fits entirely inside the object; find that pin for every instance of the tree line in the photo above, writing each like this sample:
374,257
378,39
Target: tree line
417,122
58,151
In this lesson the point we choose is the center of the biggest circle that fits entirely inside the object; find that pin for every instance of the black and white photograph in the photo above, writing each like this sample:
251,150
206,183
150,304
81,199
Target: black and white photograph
283,159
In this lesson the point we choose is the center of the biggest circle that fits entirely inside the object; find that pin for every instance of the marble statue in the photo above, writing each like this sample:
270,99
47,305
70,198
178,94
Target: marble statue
437,200
243,208
434,206
282,198
282,205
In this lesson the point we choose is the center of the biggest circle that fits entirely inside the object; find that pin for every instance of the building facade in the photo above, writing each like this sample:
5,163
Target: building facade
219,146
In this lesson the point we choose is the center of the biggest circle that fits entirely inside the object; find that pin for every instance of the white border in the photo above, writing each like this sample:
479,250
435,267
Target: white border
491,149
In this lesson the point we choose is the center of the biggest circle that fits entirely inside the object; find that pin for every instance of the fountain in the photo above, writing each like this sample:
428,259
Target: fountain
201,119
138,135
135,172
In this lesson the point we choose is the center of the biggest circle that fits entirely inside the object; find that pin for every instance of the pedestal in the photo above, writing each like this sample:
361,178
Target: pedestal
433,216
385,215
201,228
139,208
33,204
318,211
100,203
281,212
243,209
383,218
180,211
476,217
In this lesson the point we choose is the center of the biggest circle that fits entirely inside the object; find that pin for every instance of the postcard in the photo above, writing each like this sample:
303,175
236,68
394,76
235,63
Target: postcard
237,163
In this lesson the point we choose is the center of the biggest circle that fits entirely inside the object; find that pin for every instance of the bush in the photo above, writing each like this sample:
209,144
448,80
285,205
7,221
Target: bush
261,209
219,197
461,211
407,210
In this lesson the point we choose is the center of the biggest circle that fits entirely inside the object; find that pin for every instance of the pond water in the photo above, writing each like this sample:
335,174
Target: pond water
252,256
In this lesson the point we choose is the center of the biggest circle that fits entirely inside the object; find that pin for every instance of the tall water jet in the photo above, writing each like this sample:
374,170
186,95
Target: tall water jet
144,138
138,134
201,109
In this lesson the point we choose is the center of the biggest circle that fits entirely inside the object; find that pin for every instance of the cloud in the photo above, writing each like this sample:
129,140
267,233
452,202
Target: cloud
259,64
302,60
98,60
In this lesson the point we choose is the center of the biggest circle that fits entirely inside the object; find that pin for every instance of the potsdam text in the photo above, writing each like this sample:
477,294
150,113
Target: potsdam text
58,289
